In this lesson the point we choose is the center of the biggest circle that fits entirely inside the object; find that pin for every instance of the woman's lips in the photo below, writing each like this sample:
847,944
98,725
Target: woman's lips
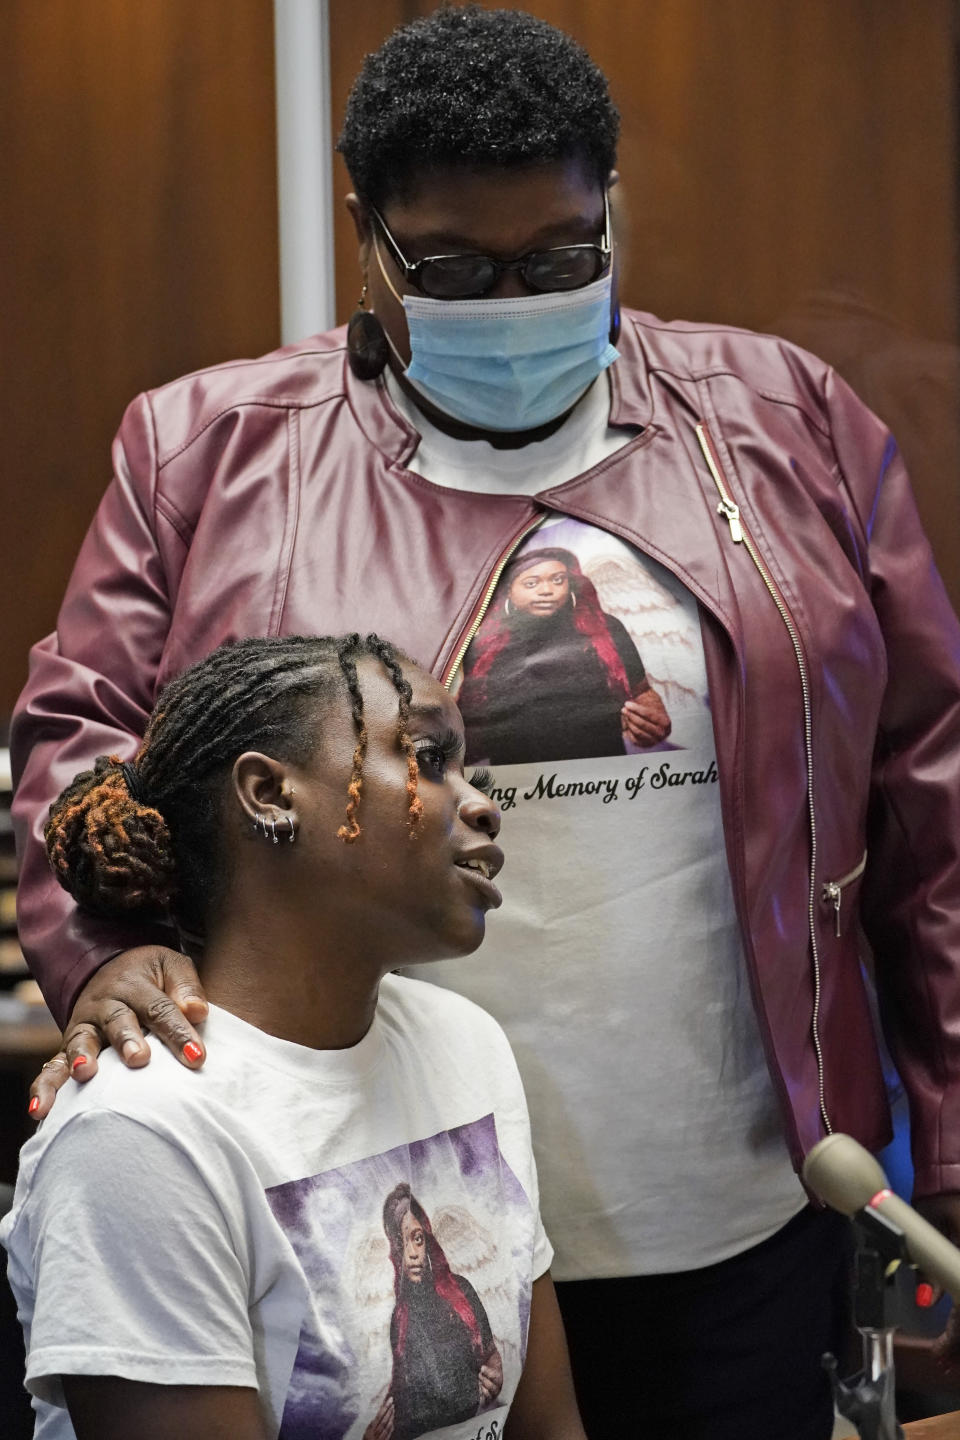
480,882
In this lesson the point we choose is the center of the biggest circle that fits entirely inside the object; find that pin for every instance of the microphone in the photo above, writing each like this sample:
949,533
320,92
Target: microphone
847,1178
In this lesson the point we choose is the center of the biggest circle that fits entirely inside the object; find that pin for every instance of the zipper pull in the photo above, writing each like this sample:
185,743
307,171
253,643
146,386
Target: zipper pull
731,512
833,894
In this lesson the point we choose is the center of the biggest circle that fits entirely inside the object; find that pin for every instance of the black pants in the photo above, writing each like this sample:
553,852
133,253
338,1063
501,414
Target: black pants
729,1352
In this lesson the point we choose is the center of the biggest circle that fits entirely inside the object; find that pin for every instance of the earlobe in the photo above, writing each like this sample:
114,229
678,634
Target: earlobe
361,223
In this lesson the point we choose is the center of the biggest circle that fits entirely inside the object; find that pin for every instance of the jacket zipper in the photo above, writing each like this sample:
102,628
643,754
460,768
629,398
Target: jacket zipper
731,513
476,620
833,890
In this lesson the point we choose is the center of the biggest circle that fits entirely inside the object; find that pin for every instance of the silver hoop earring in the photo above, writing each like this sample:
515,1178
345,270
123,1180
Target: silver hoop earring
506,606
573,601
273,829
293,829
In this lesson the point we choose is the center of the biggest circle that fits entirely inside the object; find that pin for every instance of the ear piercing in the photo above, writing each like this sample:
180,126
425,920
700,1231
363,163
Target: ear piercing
260,824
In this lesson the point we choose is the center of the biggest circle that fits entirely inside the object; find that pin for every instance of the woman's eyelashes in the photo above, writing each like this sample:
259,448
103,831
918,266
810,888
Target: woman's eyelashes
434,753
482,780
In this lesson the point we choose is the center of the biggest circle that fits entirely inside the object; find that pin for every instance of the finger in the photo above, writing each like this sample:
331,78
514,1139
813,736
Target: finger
652,729
168,1022
54,1073
181,983
120,1028
654,715
646,731
644,735
81,1046
640,715
646,705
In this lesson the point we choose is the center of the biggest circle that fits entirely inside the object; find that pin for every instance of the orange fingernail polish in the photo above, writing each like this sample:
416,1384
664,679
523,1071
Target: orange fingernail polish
78,1062
924,1295
192,1051
34,1106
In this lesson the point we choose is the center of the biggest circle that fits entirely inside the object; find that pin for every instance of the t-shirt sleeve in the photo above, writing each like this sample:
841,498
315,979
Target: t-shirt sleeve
135,1270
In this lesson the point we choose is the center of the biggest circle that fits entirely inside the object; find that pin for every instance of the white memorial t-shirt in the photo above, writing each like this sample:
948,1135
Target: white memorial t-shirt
615,965
242,1225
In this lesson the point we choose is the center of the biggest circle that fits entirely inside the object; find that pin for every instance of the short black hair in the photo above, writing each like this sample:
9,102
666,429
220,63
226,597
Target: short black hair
479,89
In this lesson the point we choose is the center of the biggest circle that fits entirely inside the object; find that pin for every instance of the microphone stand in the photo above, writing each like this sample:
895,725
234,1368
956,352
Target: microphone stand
880,1298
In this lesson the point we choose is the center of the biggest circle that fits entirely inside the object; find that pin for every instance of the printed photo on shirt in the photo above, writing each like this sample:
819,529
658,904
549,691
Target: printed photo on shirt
584,651
415,1258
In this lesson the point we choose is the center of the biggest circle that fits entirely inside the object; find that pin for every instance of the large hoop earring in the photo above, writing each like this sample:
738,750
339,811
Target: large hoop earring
573,600
367,349
506,605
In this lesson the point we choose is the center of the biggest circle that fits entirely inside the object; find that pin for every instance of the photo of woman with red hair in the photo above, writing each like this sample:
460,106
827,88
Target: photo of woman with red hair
547,637
446,1365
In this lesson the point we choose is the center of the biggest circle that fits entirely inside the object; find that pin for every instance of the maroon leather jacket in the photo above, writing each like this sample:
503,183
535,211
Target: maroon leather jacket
272,495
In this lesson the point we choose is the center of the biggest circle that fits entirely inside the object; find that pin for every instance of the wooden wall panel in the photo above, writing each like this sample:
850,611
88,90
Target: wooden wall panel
787,167
138,176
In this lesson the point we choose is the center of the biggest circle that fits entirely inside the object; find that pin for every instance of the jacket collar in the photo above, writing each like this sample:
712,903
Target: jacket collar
631,395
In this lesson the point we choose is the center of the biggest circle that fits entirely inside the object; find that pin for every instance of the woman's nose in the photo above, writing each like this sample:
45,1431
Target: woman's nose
510,286
479,811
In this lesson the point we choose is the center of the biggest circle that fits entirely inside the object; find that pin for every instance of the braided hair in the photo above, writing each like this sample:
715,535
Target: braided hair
142,835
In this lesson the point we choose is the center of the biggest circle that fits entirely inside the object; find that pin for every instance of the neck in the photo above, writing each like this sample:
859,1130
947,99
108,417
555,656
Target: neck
315,990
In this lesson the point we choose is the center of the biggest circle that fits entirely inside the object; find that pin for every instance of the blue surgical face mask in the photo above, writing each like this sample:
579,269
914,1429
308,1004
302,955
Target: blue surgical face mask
508,364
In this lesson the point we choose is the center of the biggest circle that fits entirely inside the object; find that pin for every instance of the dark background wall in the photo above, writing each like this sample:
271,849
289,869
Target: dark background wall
785,166
139,240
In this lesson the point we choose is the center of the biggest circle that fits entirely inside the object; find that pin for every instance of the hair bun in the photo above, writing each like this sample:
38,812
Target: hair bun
107,847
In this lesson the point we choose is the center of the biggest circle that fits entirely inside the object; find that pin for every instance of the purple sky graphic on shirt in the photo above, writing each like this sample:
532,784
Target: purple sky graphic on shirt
480,1217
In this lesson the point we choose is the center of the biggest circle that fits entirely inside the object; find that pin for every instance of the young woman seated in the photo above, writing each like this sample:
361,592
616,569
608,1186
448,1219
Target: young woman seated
332,1230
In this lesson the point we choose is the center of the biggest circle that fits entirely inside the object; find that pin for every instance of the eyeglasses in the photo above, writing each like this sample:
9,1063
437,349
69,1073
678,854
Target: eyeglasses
467,277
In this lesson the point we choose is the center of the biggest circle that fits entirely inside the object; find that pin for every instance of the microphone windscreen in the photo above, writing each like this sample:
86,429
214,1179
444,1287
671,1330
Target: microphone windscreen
844,1175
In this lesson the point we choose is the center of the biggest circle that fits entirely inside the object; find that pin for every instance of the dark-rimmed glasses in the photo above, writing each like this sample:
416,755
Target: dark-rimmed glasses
467,277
